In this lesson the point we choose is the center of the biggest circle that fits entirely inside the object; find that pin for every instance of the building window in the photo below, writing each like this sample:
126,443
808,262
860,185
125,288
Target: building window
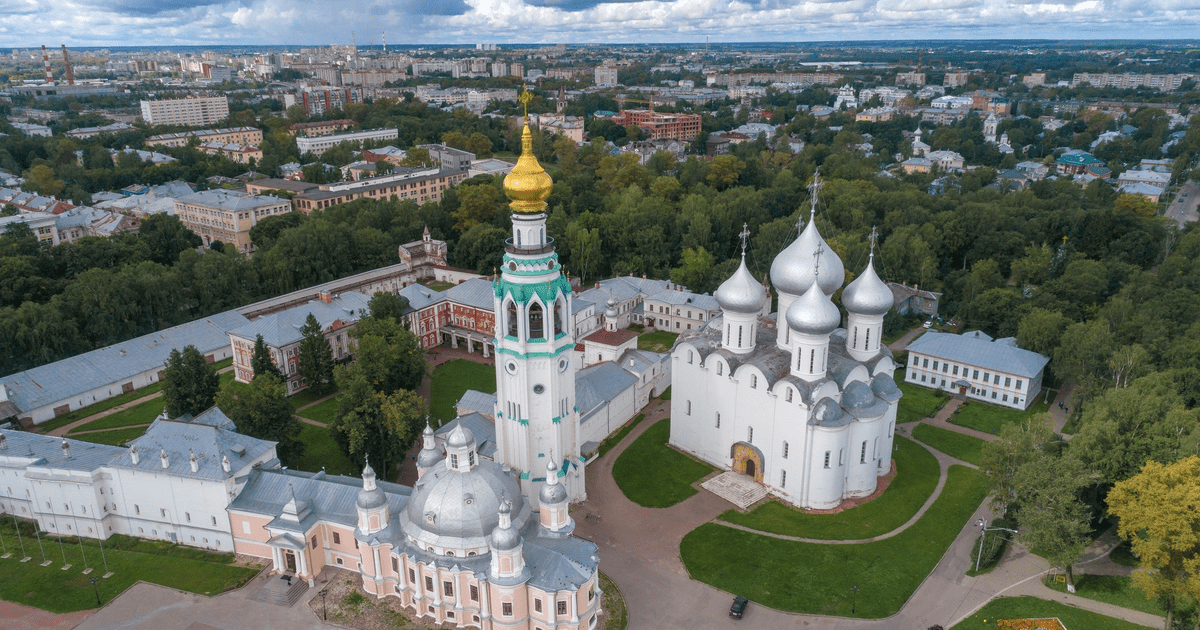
447,589
913,375
867,344
474,593
827,454
986,377
136,509
429,583
854,344
337,538
945,367
562,608
916,359
993,394
812,357
753,381
689,409
975,375
788,394
922,378
506,609
750,434
689,357
935,366
996,380
785,450
783,479
314,542
1004,398
862,458
187,516
537,605
720,368
955,371
412,575
925,363
718,419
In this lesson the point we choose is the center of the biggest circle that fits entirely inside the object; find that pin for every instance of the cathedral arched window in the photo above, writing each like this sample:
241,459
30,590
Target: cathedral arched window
560,308
868,343
537,324
855,343
512,319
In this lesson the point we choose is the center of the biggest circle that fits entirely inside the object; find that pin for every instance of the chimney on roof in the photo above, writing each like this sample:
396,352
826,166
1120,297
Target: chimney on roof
225,463
195,463
66,447
3,442
325,297
133,455
162,454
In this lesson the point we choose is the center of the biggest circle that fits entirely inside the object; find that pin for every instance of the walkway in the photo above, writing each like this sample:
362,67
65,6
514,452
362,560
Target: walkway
900,344
942,420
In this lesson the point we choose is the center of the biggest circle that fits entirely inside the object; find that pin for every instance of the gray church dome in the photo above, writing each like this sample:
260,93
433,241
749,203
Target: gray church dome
813,313
371,496
460,437
792,269
459,509
858,395
741,293
552,493
505,538
611,311
885,387
428,457
868,295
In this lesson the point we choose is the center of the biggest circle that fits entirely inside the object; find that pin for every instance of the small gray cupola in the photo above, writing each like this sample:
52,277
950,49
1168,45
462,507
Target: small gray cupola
814,313
429,455
460,448
504,536
371,496
867,294
553,492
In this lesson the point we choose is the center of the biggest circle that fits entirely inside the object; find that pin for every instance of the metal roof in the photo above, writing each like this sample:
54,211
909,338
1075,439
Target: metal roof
481,427
230,200
685,298
558,564
330,497
420,296
283,328
476,292
71,377
477,401
180,439
45,451
979,351
595,386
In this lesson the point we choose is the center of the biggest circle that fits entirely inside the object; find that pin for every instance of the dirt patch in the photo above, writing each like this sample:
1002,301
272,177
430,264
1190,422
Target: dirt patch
347,604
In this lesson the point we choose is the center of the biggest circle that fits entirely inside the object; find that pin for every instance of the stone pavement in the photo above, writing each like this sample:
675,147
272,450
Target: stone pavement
900,344
18,617
738,489
942,419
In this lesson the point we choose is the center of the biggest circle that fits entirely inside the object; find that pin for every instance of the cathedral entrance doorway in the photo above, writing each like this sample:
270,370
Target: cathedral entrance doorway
747,460
290,561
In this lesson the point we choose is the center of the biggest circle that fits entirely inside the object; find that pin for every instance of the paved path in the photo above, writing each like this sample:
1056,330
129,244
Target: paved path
942,419
900,344
18,617
1184,208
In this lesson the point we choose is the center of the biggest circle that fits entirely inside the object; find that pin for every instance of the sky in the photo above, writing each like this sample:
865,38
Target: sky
30,23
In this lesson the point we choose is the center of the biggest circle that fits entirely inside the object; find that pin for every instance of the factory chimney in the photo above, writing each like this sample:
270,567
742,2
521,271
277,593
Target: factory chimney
46,63
67,63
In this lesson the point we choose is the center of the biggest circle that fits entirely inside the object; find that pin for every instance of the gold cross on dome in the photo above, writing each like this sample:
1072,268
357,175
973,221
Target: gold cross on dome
526,98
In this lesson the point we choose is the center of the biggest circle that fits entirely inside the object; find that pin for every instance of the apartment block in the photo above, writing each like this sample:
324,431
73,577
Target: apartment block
419,185
240,153
192,112
240,135
321,144
226,215
661,126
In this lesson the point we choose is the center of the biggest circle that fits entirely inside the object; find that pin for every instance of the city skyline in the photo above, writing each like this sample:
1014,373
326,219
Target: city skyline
29,23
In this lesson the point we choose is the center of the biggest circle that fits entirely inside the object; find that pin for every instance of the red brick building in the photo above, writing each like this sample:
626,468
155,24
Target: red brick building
661,126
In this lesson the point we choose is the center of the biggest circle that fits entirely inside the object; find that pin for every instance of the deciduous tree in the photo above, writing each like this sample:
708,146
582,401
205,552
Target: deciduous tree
262,410
1052,518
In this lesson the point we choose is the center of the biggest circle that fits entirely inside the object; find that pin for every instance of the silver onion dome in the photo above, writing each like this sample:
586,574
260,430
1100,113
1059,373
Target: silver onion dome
371,496
611,311
460,437
741,293
505,536
867,294
552,492
792,269
813,313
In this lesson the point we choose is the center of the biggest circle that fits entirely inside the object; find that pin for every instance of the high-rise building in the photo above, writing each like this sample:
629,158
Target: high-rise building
192,112
606,75
537,424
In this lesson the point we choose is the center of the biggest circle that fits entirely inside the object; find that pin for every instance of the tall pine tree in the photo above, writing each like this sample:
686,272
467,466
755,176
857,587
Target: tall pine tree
189,383
316,358
260,360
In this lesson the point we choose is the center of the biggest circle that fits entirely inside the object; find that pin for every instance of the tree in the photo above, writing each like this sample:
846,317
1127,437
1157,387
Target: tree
1040,330
373,424
695,271
315,361
1158,516
385,305
476,205
1136,204
262,410
167,237
1052,519
1003,458
389,354
724,171
260,360
189,383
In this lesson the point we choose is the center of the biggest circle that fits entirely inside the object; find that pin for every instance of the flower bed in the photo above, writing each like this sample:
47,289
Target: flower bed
1030,624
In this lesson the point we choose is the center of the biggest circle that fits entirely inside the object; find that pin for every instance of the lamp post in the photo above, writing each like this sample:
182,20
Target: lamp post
983,529
95,580
323,593
853,599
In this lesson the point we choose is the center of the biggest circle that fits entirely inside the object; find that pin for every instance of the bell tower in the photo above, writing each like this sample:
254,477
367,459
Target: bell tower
535,378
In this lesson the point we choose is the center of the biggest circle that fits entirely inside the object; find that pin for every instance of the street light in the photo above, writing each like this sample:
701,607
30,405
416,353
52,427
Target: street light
983,529
853,599
95,580
323,593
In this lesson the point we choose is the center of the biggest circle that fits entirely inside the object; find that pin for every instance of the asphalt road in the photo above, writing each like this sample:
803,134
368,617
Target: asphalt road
1184,208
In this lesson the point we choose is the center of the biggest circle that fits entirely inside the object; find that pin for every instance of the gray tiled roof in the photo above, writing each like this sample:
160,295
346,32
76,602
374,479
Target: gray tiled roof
685,298
46,451
330,497
179,439
558,564
1001,356
475,292
282,328
595,386
638,361
482,428
230,200
420,296
475,400
73,376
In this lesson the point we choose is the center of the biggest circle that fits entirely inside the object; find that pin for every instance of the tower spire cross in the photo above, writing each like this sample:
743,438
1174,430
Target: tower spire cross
815,187
874,235
745,233
817,256
526,98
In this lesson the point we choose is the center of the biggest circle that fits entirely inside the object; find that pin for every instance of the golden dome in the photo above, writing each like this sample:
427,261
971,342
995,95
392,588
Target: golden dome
528,185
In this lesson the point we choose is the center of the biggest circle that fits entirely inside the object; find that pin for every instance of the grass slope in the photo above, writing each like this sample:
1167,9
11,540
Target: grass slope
967,448
451,380
322,412
657,341
115,437
991,418
1111,589
321,451
917,474
50,588
652,474
144,413
1035,608
918,402
816,578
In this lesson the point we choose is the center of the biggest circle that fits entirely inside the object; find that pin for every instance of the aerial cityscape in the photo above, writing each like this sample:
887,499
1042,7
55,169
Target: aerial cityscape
788,320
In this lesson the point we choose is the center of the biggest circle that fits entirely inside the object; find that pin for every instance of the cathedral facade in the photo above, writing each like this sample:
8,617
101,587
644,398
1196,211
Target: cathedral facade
794,400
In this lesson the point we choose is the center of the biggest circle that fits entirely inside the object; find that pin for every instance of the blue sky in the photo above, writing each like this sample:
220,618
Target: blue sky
28,23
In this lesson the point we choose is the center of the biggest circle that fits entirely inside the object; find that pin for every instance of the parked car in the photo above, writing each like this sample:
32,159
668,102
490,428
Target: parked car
738,607
928,324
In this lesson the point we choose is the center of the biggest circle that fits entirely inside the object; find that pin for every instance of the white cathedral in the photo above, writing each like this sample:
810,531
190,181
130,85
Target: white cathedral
792,399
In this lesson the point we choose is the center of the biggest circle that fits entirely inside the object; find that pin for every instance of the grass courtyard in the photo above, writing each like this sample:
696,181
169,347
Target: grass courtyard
657,341
964,447
991,418
451,380
917,473
652,474
129,559
918,402
1035,608
322,412
320,451
816,578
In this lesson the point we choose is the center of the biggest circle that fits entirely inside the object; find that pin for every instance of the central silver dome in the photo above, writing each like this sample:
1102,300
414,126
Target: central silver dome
792,269
741,293
868,295
459,510
813,313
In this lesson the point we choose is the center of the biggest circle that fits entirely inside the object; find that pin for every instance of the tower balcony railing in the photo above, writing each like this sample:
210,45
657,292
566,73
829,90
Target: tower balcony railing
511,247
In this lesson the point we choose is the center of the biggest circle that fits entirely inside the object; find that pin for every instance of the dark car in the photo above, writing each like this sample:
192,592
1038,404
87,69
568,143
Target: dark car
738,607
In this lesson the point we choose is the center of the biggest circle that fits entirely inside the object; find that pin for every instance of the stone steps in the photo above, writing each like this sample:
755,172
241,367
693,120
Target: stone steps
276,591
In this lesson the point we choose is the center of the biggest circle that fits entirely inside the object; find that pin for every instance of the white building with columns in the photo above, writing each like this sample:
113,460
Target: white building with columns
794,400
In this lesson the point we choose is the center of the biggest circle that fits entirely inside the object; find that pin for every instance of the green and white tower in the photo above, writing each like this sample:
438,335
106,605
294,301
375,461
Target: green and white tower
536,418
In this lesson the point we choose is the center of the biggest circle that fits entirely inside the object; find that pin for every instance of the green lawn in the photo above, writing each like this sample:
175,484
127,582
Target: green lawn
304,397
1035,608
96,408
816,578
145,413
612,440
652,474
991,418
321,451
967,448
1111,589
918,402
321,412
657,341
439,286
451,380
666,395
50,588
116,437
917,475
